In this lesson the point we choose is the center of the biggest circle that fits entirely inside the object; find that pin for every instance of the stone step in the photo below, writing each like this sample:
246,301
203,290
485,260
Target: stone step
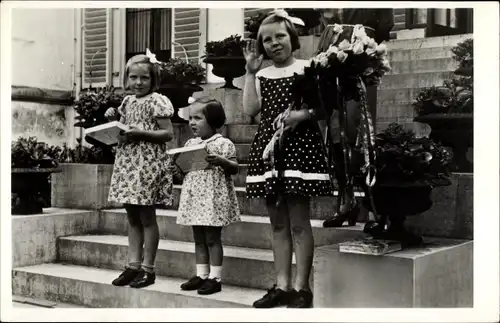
417,54
92,287
387,96
414,80
253,268
241,133
320,206
251,232
242,152
424,65
429,42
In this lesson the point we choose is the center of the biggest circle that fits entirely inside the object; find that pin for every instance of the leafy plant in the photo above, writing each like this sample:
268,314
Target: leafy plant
463,52
231,46
456,95
402,157
177,71
86,155
92,103
253,23
30,153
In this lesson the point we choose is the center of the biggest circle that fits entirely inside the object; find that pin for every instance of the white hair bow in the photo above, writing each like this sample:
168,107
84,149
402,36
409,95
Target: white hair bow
283,14
152,57
191,100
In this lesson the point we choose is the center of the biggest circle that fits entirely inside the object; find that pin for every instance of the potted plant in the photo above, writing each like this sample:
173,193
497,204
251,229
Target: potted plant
179,80
407,169
309,16
91,105
448,109
252,24
31,167
227,59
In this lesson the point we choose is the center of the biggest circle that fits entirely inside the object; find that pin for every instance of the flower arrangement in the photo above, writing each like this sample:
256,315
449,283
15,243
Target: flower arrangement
359,57
29,153
178,71
92,103
231,46
402,157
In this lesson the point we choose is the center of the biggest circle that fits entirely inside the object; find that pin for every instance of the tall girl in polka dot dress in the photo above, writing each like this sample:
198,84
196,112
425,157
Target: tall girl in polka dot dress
305,168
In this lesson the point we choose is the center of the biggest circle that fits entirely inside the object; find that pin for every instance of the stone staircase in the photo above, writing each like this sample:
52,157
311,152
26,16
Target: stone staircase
88,258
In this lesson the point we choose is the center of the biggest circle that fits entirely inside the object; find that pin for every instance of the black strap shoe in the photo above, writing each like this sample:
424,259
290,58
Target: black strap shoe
210,286
143,279
126,277
274,297
300,299
193,284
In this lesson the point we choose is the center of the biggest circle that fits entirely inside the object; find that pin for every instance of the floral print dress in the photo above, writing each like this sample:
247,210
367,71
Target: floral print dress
140,174
208,197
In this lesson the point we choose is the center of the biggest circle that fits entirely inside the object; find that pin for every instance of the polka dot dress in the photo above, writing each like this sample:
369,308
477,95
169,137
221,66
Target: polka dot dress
305,166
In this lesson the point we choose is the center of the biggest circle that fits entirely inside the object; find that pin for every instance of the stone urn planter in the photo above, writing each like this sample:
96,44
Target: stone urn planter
394,202
178,95
26,187
455,130
228,68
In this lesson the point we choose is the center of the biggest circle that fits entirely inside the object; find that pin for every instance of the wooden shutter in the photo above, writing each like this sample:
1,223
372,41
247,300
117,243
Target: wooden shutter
187,33
96,47
250,12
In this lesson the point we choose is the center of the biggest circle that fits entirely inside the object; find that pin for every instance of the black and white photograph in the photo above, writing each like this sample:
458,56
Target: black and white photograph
250,155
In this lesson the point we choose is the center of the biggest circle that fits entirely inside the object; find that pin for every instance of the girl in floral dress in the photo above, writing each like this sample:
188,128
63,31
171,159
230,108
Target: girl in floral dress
303,161
141,178
208,199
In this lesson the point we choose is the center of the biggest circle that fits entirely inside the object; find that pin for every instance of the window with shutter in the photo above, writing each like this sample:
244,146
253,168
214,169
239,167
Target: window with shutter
95,42
250,12
149,28
187,33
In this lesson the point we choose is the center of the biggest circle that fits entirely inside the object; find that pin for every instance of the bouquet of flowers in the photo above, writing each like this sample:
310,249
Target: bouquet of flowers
352,61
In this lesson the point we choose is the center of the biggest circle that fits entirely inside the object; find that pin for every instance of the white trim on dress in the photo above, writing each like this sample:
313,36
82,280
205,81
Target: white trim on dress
288,173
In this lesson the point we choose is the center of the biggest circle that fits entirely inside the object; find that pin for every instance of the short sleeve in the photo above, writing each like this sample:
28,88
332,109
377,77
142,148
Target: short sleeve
123,105
162,108
257,88
227,148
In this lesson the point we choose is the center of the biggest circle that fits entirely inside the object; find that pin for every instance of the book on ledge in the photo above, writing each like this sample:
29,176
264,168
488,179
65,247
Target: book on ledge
190,158
370,246
107,133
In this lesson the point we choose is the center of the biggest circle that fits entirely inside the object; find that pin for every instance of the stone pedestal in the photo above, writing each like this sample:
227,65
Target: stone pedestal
82,186
439,274
231,99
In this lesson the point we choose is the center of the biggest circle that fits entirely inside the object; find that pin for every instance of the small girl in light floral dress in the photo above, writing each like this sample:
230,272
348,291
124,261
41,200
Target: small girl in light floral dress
208,199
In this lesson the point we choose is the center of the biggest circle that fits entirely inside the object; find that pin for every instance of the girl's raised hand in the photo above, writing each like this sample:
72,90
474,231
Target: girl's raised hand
253,61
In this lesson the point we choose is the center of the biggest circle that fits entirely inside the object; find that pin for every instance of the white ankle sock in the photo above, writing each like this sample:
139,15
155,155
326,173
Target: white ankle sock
202,270
215,272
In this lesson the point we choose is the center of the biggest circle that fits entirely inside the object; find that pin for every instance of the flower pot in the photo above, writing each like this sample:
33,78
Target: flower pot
228,68
454,130
178,95
27,187
395,202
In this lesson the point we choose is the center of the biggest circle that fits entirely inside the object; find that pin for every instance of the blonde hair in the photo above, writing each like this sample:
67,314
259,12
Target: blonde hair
154,71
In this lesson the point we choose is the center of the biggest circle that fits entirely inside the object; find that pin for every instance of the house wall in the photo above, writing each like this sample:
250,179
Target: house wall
43,62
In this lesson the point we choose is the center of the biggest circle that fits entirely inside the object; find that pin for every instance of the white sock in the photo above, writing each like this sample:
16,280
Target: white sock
215,273
202,270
